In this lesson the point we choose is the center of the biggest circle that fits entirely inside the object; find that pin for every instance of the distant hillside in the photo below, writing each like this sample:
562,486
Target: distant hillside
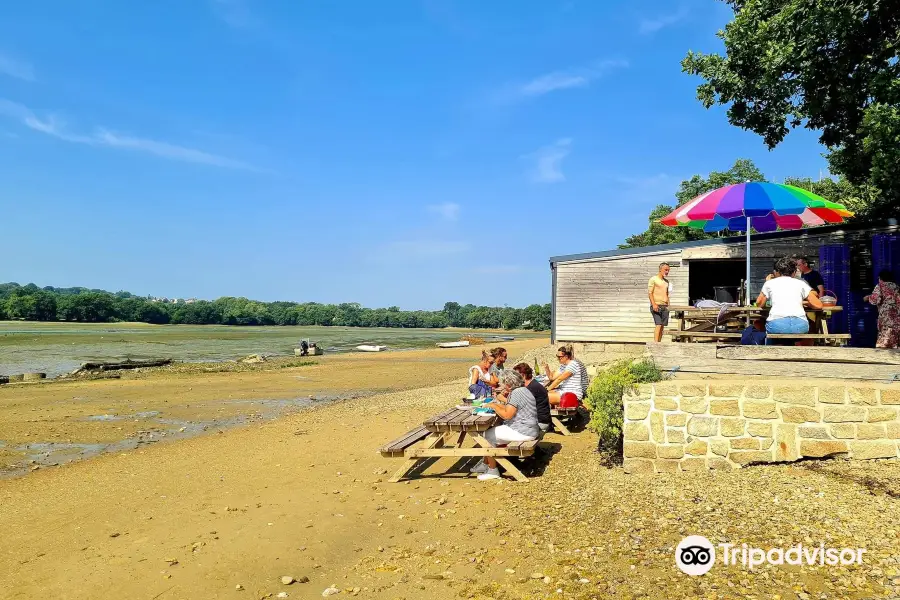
31,303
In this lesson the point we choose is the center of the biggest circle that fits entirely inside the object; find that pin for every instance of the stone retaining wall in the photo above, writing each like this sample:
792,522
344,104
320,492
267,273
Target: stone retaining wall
695,425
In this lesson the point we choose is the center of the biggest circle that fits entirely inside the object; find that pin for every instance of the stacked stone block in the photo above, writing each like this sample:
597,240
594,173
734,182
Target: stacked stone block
696,425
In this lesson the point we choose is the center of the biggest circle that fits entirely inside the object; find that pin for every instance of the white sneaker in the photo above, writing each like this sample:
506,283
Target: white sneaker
481,467
489,474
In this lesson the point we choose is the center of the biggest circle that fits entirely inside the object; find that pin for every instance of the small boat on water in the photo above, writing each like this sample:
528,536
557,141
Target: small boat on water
371,348
500,338
461,344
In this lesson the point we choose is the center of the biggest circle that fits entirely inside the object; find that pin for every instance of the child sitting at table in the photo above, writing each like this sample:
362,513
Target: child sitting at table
755,335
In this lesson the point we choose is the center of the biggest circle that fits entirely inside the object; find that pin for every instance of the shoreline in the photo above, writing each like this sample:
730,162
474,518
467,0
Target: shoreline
305,496
56,422
60,348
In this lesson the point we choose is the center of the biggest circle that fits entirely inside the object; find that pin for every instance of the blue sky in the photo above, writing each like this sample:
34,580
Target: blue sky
390,153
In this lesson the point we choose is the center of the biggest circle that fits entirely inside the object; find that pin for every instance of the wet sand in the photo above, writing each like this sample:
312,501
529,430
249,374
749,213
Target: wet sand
55,422
226,515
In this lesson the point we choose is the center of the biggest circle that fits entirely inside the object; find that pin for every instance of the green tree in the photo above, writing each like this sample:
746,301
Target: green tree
44,306
86,307
20,306
858,198
537,317
742,171
826,65
452,312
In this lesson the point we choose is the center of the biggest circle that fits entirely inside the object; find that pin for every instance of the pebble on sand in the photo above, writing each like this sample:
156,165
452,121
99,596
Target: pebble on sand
330,591
239,587
287,580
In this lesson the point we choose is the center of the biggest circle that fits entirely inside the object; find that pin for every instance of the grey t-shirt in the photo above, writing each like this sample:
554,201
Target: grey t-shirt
496,371
525,420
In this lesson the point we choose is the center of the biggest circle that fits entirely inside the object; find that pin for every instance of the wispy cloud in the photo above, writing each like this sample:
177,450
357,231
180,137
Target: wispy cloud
448,210
235,13
638,193
564,79
101,137
548,161
16,68
652,25
559,80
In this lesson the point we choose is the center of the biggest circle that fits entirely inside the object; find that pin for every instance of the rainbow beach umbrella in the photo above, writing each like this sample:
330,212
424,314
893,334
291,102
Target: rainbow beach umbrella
756,205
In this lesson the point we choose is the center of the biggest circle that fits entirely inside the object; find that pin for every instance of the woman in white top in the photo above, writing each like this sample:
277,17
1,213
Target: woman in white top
480,376
571,377
787,315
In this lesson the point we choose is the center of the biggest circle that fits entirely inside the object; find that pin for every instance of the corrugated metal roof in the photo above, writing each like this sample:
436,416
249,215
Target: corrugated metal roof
891,224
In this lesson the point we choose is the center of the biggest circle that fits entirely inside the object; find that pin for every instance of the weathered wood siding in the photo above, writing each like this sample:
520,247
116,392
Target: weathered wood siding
605,300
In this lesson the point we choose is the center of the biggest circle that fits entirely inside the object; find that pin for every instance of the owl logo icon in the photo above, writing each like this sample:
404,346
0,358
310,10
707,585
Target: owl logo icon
695,555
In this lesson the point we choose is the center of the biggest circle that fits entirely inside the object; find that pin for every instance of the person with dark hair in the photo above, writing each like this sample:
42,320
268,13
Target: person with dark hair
886,296
541,397
571,378
787,296
500,355
516,406
811,276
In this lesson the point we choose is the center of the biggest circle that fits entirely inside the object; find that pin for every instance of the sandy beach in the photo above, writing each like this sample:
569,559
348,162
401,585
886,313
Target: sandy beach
228,513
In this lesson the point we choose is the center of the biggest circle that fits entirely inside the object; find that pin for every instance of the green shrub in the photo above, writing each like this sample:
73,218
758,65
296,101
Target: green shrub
604,399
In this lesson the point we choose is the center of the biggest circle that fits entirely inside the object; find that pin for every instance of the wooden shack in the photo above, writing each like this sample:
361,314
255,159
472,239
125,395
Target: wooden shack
602,296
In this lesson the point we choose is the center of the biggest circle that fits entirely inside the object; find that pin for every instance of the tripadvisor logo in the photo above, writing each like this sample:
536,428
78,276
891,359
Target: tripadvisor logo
696,555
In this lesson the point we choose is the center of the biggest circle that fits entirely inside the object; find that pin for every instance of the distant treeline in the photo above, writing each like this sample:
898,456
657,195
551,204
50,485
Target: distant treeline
32,303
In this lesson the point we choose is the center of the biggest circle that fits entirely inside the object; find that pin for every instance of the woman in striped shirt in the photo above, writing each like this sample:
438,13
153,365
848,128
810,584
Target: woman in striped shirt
571,377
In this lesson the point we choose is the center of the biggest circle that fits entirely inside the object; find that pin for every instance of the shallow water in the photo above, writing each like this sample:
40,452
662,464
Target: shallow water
57,348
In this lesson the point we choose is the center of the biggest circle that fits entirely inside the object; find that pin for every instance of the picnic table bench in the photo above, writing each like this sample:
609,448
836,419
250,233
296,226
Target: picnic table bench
444,435
701,323
557,415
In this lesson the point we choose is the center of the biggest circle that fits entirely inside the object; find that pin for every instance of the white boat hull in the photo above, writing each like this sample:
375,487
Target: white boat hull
371,348
462,344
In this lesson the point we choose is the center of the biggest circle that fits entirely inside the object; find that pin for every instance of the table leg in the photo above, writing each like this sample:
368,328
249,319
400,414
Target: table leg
435,440
504,462
559,425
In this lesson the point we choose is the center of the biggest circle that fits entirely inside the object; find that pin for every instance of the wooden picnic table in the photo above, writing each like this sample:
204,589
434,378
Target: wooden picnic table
701,323
444,435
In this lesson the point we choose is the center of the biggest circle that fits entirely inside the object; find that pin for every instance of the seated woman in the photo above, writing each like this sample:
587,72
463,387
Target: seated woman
570,378
480,376
541,397
787,295
496,370
517,407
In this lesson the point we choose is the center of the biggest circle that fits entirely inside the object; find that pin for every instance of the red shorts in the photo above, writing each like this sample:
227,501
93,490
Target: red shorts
568,400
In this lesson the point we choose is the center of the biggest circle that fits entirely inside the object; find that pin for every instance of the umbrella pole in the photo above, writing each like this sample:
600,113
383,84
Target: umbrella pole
747,280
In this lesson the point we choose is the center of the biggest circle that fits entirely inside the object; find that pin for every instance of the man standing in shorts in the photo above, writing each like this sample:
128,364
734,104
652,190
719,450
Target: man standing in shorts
658,292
